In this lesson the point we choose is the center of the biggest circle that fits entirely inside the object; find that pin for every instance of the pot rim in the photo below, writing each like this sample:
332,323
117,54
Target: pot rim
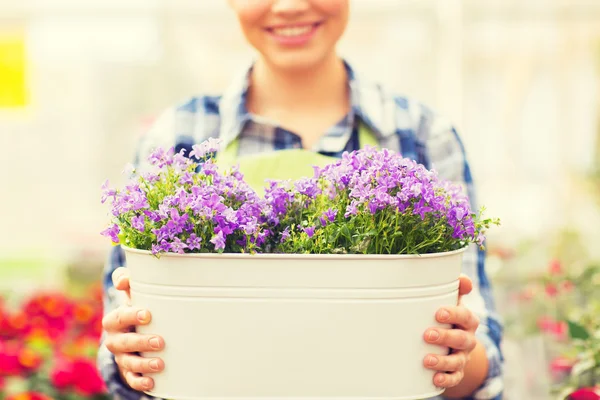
297,256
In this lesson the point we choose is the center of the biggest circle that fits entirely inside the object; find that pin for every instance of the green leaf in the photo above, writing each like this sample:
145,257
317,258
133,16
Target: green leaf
577,331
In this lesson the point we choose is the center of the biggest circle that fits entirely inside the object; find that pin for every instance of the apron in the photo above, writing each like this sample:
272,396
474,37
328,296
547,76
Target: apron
286,164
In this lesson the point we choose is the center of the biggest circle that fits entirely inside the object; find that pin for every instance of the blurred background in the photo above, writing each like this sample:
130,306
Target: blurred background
81,80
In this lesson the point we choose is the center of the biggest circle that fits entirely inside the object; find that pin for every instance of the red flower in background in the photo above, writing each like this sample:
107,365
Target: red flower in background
62,374
29,360
64,333
586,394
86,379
79,374
29,396
9,359
13,324
558,329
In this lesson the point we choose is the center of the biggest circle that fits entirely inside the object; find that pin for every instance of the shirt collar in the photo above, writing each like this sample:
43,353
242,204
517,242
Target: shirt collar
367,101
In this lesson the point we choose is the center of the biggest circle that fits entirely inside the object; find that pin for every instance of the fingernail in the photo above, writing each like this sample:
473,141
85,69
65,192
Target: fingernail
444,315
439,379
433,336
147,383
155,343
142,315
154,365
432,361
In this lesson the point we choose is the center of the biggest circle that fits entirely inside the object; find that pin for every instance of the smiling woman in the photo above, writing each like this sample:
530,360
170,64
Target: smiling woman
299,94
296,34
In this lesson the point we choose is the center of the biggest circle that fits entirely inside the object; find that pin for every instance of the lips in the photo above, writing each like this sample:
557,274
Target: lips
292,31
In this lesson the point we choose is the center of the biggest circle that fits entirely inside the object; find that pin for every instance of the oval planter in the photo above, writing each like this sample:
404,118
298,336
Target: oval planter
286,326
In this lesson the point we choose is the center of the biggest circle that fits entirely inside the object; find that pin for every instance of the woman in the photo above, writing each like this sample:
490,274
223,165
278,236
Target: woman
300,94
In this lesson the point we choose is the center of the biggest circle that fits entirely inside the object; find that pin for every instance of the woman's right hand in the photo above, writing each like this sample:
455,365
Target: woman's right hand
123,342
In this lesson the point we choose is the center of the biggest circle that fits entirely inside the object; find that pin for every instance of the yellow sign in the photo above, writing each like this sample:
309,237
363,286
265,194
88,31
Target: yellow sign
13,92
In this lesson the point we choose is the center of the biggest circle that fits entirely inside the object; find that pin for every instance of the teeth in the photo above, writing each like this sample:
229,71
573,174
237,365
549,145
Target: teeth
294,31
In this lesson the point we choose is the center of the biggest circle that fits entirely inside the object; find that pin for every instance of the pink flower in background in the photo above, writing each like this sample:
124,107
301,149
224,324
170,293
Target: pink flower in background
567,286
86,379
558,329
62,374
555,267
586,394
560,367
551,290
527,294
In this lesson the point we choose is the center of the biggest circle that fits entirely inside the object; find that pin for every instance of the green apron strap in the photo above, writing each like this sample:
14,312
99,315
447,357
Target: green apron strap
229,154
366,137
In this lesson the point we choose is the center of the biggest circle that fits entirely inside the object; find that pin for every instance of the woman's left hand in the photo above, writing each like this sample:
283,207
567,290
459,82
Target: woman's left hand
460,339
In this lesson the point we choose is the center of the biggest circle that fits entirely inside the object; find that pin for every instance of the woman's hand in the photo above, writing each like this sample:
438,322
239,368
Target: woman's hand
123,342
460,339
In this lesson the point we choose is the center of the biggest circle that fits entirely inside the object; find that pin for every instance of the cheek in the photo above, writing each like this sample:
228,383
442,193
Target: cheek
333,8
250,12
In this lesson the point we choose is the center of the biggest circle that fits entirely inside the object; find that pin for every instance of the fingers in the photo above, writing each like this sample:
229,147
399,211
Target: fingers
137,364
137,382
460,316
451,363
133,343
466,285
452,338
124,318
448,380
120,278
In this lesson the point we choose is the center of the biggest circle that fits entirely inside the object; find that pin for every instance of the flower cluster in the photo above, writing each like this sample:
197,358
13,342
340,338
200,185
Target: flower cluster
374,202
48,348
367,202
186,205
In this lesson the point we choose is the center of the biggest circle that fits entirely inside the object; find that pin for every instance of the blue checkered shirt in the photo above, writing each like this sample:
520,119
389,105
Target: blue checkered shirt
398,123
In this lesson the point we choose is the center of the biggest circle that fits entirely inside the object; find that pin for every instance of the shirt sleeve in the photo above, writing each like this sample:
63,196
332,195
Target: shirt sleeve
161,134
445,153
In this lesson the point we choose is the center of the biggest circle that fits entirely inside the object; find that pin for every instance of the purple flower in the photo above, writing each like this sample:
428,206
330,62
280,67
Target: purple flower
250,227
112,232
186,178
199,151
177,246
218,240
160,158
180,161
107,192
139,223
285,235
162,247
194,242
310,231
150,177
351,209
480,239
308,187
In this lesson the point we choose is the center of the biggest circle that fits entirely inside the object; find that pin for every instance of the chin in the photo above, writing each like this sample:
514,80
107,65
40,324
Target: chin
296,62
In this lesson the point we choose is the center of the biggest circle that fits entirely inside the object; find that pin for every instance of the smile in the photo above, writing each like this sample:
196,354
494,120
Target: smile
294,34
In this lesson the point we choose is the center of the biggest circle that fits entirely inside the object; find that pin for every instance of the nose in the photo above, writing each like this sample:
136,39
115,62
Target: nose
290,7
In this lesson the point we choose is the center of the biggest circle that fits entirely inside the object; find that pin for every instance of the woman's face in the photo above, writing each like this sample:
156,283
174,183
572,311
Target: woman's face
292,34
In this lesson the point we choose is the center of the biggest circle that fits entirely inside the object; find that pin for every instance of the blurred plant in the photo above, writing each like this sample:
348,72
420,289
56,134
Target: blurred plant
48,348
584,331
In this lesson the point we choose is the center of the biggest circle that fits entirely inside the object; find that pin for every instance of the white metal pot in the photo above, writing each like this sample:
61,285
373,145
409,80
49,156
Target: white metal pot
276,327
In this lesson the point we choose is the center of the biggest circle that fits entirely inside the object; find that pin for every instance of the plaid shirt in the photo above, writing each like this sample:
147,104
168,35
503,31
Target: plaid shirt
398,123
